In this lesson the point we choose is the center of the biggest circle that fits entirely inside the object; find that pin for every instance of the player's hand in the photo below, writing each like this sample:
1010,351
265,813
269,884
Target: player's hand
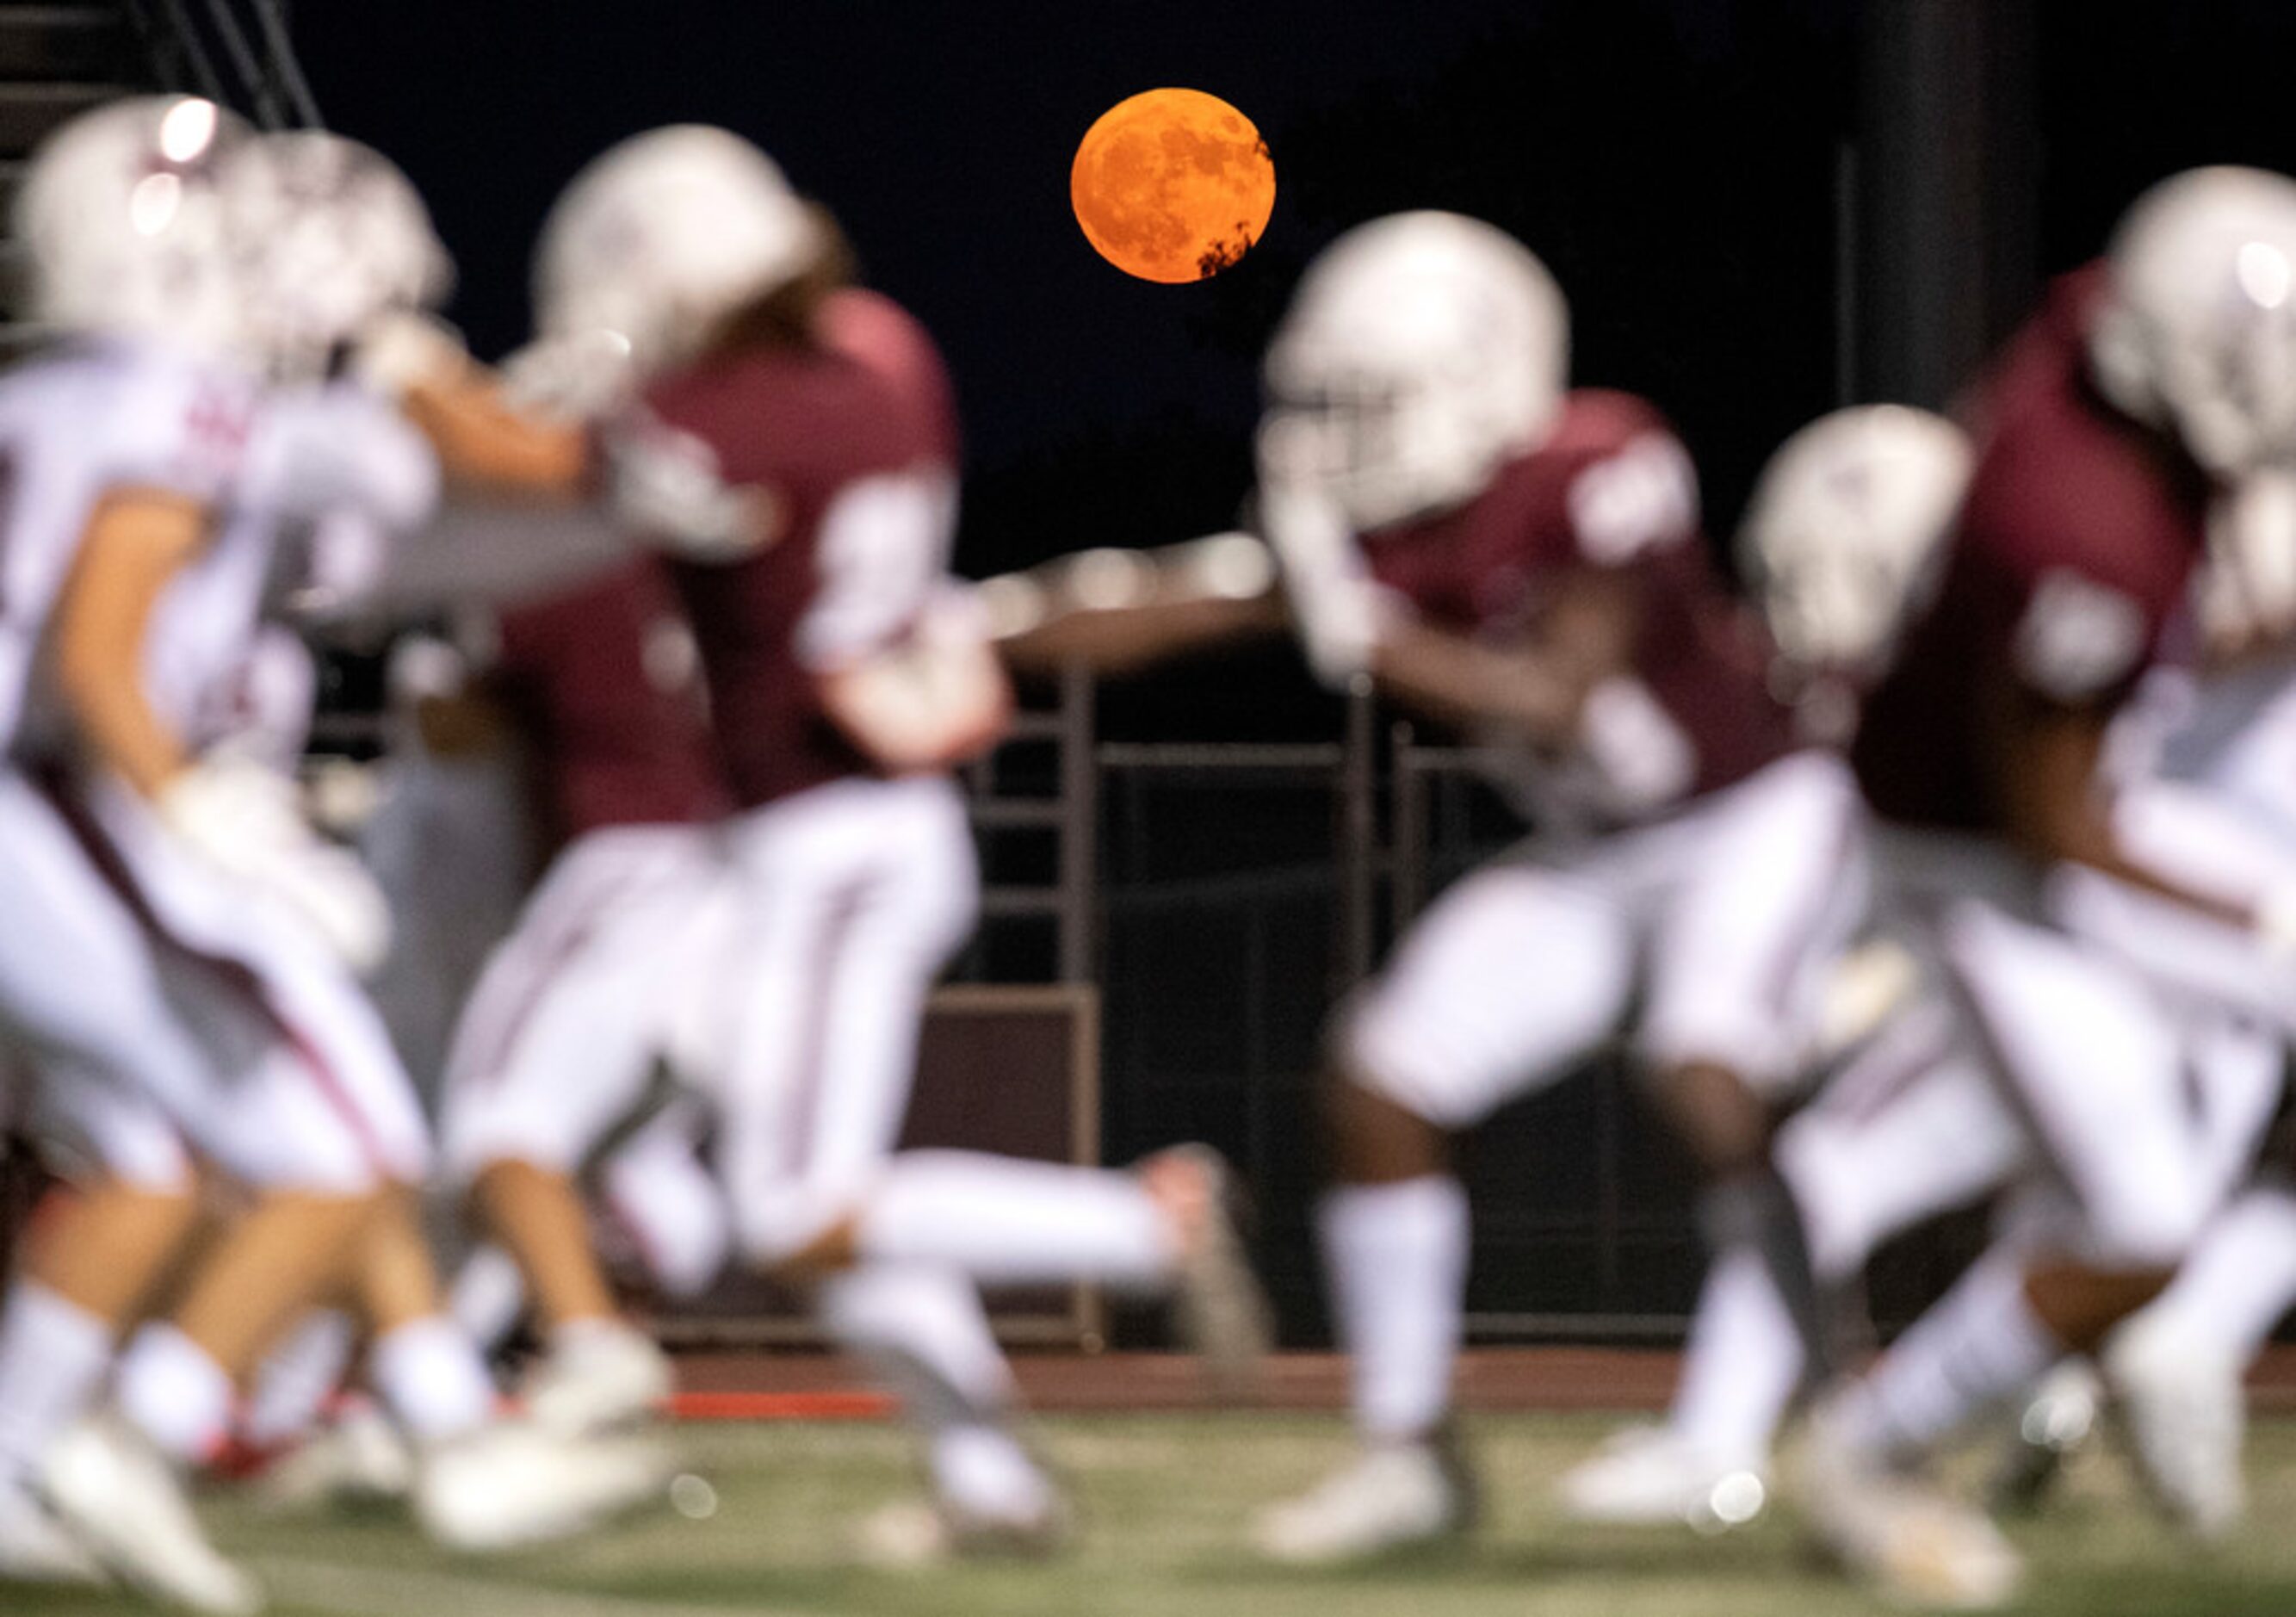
2275,924
246,820
1336,606
936,700
576,376
404,350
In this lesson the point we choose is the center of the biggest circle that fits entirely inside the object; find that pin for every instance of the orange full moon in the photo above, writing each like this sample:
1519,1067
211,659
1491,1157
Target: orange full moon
1172,185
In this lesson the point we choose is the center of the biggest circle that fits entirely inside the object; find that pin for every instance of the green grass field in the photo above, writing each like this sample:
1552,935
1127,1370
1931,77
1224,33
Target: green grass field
1166,1502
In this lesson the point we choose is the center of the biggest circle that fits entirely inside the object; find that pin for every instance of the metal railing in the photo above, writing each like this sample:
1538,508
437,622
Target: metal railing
239,52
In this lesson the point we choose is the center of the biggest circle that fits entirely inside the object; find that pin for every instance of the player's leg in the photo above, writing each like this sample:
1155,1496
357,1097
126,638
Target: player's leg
1760,888
2240,1281
1909,1129
2094,1071
557,1051
2174,1369
673,1210
310,1105
1770,881
84,1268
853,918
1512,975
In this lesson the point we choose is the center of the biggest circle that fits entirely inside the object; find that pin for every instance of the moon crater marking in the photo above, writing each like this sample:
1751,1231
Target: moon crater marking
1172,185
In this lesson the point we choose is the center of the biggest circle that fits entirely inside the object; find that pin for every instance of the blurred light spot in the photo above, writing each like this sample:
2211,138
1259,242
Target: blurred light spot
1108,578
1737,1499
152,205
1014,606
2265,273
691,1498
187,129
1236,567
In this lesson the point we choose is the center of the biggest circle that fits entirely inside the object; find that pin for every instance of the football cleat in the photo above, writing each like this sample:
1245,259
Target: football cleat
1910,1541
513,1485
119,1496
1396,1497
1222,1312
361,1459
2180,1406
600,1378
1650,1475
35,1548
2055,1425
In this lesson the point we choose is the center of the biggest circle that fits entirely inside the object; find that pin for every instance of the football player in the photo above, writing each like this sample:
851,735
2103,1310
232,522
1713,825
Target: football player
180,898
2147,388
1460,532
792,455
1840,542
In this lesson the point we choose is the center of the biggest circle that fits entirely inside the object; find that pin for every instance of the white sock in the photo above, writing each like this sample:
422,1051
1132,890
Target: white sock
173,1392
1980,1345
575,1337
428,1374
489,1296
984,1472
2241,1277
294,1381
1006,1222
52,1356
1743,1362
675,1208
924,1332
1397,1257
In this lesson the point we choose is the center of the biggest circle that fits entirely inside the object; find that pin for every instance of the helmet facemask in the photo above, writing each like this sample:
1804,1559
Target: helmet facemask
122,214
333,239
1422,353
2197,336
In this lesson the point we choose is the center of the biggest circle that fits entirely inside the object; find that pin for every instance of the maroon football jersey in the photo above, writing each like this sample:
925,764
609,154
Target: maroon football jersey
1611,489
604,683
844,467
2069,563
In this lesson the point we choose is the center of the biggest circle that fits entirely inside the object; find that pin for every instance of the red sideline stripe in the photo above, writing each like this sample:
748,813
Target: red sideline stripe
781,1406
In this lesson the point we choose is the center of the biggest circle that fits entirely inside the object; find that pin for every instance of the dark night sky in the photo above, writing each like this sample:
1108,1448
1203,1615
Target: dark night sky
1672,160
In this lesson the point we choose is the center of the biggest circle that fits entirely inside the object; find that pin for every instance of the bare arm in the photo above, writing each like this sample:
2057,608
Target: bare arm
486,446
1116,612
927,705
136,542
2046,759
1127,639
1536,688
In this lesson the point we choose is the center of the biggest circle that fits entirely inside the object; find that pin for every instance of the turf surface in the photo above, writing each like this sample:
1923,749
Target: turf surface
1165,1504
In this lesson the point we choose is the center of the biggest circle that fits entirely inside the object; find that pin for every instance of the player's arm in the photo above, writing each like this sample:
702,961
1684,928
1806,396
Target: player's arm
1536,687
1116,612
136,542
934,700
486,446
2047,758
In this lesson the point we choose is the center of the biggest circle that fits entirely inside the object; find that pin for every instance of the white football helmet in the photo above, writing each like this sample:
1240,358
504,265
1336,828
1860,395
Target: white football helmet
1843,534
663,236
1421,352
333,237
121,211
2198,334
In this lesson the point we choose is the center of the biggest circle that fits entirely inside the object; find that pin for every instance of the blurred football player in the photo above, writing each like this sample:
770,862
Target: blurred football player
557,1048
2144,388
792,455
1459,532
180,896
1841,543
